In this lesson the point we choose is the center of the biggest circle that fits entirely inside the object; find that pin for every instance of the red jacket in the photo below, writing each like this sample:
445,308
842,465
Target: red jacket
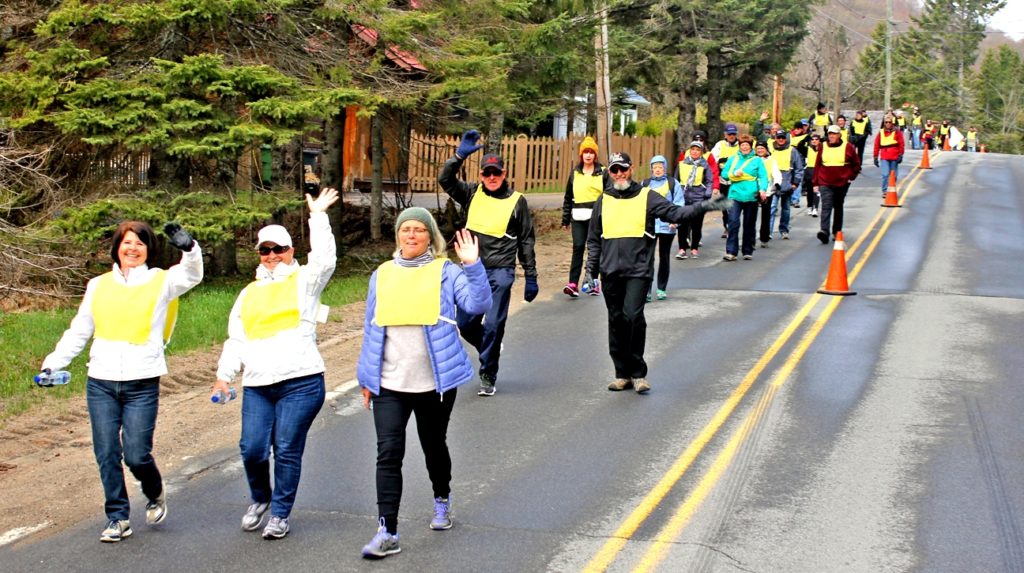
838,176
892,152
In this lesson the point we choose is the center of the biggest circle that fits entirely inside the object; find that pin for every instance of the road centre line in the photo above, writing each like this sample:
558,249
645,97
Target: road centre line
671,531
614,545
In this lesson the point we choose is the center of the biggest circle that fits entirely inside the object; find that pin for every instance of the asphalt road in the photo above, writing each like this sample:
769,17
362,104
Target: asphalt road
786,431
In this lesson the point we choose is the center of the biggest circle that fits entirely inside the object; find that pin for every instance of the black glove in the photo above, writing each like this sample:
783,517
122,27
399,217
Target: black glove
876,162
531,290
778,187
178,237
468,145
899,160
720,203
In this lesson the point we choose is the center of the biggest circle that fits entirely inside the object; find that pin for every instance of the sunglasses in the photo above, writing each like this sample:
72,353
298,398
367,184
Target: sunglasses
617,169
780,137
276,249
492,172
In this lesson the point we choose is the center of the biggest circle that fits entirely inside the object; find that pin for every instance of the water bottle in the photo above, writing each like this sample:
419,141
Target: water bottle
585,288
222,398
47,379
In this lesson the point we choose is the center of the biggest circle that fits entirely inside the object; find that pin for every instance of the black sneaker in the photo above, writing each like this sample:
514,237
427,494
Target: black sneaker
486,385
823,237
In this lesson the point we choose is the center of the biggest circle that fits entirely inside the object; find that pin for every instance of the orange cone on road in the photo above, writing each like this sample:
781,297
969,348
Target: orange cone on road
891,200
836,282
925,162
945,145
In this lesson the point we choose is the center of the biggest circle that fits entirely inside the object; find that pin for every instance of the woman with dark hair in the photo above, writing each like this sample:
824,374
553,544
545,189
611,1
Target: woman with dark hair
129,312
748,186
412,361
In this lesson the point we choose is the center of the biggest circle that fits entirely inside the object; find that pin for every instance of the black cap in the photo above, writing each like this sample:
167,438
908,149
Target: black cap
492,160
621,159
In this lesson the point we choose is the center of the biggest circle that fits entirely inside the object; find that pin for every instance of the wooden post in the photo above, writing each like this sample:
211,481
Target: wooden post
777,100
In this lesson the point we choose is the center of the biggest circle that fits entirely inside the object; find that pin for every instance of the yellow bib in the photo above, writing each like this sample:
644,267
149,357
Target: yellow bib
684,173
795,140
820,120
270,307
408,296
663,190
624,218
727,151
972,135
746,176
860,127
783,158
944,130
843,135
490,215
586,188
125,313
812,156
902,122
833,156
916,121
887,139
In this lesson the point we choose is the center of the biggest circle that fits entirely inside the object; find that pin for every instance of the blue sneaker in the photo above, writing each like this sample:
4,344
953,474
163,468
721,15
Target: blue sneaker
442,514
382,544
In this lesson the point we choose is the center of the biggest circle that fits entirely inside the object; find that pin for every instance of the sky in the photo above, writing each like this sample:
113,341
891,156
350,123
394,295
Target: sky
1010,19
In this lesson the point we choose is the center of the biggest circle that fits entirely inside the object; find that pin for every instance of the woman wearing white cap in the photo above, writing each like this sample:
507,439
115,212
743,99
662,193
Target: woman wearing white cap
272,334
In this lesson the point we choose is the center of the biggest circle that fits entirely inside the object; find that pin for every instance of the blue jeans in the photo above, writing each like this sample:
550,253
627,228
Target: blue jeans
780,202
888,165
280,415
915,138
748,210
123,416
486,331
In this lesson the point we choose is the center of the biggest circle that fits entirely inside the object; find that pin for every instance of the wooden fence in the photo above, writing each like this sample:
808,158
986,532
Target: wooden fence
532,163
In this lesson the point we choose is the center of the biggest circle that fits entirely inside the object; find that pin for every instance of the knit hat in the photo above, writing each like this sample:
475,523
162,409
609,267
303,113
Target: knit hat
423,216
588,143
760,143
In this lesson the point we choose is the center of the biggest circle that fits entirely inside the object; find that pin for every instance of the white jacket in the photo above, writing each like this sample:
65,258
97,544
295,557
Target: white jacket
120,361
291,353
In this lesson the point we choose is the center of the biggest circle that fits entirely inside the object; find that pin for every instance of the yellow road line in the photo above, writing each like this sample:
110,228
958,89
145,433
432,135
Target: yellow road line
674,528
614,545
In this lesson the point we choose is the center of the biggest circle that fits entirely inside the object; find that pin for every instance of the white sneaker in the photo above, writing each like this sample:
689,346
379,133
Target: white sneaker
116,531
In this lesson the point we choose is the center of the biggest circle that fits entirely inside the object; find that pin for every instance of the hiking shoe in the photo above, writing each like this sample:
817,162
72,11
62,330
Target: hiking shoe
662,295
785,236
276,528
641,385
748,257
681,254
595,287
382,544
253,517
729,257
814,213
648,297
764,244
572,290
823,237
156,509
442,514
620,384
116,531
694,254
486,385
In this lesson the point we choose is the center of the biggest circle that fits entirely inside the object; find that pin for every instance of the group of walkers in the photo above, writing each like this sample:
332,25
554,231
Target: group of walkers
420,304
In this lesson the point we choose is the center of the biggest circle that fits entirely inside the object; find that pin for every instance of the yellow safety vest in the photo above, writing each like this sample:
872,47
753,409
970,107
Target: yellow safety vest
586,188
124,313
767,160
270,307
812,156
662,190
683,173
795,140
746,176
972,135
901,121
820,120
833,156
860,127
783,158
843,134
624,218
916,120
727,152
887,139
408,295
490,215
944,130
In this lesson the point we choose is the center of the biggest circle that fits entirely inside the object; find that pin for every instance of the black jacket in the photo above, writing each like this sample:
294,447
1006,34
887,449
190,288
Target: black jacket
631,256
496,252
569,203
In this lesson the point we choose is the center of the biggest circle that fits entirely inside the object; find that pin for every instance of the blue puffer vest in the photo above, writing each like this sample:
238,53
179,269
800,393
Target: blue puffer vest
466,288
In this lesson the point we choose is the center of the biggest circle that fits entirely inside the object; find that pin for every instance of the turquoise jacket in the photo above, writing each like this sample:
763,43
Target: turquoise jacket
746,191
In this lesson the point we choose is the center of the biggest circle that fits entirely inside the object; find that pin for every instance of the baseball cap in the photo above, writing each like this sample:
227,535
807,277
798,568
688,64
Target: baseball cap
804,122
274,234
698,144
492,160
834,129
781,133
730,128
621,159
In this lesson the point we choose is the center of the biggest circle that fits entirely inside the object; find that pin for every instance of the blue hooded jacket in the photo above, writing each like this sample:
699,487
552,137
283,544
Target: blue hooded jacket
468,289
674,194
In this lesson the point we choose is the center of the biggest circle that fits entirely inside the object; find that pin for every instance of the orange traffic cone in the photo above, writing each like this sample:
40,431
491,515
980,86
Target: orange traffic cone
925,162
891,200
945,144
836,283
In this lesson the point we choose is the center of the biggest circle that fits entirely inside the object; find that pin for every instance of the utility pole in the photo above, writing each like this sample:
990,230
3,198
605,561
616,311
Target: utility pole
777,100
604,96
888,54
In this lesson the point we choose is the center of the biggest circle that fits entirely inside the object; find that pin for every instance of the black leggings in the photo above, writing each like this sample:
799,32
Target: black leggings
391,412
579,245
664,258
690,232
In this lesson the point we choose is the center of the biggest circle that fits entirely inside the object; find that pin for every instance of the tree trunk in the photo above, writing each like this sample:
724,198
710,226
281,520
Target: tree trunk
687,106
291,165
404,146
377,185
167,170
496,132
223,260
716,75
330,161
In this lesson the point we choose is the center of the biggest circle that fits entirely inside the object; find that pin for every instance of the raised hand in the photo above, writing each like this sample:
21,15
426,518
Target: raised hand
328,196
468,145
467,247
178,237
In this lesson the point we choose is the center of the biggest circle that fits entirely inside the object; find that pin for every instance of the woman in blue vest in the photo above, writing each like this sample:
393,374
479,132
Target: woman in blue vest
129,313
669,188
272,334
412,361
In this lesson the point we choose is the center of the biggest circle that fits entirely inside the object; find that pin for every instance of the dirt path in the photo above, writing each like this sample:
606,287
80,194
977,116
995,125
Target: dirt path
47,471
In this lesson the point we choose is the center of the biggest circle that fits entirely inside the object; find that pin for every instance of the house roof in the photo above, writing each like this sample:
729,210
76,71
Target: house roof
399,57
631,97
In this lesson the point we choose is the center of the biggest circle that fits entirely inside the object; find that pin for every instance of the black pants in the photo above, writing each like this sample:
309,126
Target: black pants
860,147
579,245
627,328
723,190
765,228
690,232
664,258
391,411
808,188
832,200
